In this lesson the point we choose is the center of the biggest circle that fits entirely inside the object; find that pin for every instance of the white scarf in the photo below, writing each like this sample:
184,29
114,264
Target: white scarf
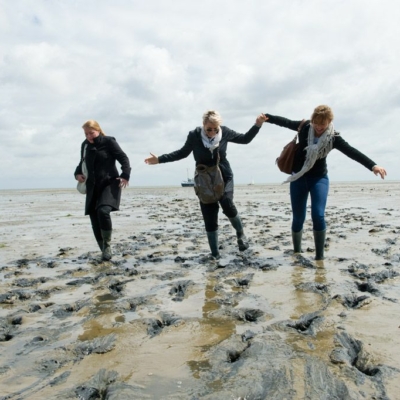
212,143
315,151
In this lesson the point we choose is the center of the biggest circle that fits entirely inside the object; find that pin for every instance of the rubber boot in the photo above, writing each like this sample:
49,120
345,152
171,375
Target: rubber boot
241,238
296,239
107,254
319,240
213,242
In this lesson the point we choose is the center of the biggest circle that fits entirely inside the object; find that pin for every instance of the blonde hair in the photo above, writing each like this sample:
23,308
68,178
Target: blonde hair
322,114
212,116
91,123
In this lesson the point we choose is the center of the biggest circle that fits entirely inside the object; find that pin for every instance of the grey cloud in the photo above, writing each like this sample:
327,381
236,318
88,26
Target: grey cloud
148,70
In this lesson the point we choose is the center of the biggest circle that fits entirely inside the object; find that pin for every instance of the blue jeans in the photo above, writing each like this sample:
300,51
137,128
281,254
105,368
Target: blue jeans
318,187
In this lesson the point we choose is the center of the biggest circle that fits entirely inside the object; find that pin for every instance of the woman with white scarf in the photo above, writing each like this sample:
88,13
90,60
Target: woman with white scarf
316,139
208,144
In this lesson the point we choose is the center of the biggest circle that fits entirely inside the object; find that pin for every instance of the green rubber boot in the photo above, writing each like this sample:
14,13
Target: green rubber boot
296,239
319,240
241,238
107,254
213,242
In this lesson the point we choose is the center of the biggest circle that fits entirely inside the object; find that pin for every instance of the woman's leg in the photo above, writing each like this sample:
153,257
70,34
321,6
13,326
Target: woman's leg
298,198
96,228
319,195
105,223
104,217
319,189
210,217
230,210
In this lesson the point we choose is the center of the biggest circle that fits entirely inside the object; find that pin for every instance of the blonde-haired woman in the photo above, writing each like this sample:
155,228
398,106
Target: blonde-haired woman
208,144
103,183
317,138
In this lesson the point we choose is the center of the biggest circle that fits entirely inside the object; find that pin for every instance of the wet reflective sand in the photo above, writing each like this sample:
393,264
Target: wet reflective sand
157,313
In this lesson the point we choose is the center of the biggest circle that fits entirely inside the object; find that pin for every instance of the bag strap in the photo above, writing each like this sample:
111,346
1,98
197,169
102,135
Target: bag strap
301,125
84,153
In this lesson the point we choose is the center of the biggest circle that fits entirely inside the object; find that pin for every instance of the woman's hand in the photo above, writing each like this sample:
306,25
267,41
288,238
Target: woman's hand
261,119
123,183
80,178
376,169
151,160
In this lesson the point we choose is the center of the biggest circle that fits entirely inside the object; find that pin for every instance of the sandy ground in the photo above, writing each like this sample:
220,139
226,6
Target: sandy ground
152,229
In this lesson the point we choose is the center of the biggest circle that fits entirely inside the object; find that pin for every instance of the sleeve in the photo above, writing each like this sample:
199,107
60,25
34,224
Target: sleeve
122,158
78,169
283,122
349,151
179,154
240,138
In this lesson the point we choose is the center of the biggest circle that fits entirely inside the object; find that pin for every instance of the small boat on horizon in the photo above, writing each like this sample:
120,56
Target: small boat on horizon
189,182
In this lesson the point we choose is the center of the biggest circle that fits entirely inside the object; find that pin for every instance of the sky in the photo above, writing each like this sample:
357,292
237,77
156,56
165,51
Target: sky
148,70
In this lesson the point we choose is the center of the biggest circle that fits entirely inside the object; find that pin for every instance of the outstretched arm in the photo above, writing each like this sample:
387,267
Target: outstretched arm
356,155
283,122
175,155
246,138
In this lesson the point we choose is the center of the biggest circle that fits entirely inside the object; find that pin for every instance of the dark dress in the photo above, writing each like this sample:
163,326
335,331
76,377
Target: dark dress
101,185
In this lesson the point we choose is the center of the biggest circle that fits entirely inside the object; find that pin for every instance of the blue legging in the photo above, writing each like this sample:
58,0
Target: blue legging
318,187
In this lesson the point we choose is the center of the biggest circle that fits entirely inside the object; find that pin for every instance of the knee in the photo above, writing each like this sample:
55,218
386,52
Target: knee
298,222
211,226
319,223
103,212
229,208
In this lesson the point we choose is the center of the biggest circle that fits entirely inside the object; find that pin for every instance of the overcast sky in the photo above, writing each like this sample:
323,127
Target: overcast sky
147,70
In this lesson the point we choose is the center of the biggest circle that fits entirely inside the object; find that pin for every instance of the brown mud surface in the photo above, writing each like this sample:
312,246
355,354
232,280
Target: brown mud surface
163,321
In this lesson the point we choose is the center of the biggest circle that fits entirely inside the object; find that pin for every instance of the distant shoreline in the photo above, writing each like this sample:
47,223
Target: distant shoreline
372,182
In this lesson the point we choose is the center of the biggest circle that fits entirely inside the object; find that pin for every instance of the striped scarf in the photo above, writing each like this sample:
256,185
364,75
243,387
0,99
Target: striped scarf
315,151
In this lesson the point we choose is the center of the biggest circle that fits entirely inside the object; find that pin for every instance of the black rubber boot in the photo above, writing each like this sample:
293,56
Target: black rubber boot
319,240
296,239
107,254
213,242
241,238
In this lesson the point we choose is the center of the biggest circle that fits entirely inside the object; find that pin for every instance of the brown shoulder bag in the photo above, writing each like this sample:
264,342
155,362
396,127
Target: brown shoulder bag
286,158
209,184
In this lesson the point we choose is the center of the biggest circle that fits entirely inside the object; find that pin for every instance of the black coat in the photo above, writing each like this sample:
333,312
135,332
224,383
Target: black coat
102,187
320,167
202,155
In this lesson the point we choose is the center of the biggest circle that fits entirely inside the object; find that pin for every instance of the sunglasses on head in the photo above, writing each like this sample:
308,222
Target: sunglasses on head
212,130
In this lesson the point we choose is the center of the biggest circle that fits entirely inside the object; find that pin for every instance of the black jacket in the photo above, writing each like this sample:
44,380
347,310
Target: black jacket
101,185
320,167
202,155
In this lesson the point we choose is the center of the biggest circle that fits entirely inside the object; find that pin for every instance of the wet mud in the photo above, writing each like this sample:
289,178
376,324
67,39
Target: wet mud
162,320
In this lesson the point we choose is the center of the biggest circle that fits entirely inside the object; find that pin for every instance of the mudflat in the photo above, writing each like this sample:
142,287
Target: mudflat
161,320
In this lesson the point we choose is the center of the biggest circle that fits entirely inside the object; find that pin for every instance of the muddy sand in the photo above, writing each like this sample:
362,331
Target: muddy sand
162,321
